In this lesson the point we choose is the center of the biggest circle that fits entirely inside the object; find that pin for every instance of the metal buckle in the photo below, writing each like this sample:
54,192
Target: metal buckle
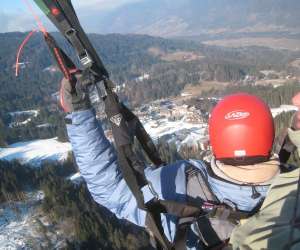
70,32
84,56
85,59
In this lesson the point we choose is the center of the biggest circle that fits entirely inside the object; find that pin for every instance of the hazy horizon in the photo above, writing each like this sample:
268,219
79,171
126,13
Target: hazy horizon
165,17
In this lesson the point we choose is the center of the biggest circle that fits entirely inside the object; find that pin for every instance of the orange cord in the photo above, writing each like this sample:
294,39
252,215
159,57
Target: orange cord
21,49
41,28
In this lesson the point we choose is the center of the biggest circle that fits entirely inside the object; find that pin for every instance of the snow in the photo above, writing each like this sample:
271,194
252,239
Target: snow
31,113
142,77
36,152
159,128
23,225
198,135
283,108
186,94
76,178
18,124
179,132
16,222
51,69
26,112
211,98
45,125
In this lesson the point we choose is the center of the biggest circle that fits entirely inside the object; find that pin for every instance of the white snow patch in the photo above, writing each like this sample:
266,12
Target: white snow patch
45,125
159,128
186,94
36,152
194,137
51,69
31,113
76,178
283,108
18,124
142,77
26,112
179,132
16,222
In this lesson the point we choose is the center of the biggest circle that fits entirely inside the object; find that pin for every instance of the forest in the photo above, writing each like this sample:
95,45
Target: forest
93,226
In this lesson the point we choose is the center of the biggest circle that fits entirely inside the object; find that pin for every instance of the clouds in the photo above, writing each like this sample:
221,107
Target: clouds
12,21
101,4
16,17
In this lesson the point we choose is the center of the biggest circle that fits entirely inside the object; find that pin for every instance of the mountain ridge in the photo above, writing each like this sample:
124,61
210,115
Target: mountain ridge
192,17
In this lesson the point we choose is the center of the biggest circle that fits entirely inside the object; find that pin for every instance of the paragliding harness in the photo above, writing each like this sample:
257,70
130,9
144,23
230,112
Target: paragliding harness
125,127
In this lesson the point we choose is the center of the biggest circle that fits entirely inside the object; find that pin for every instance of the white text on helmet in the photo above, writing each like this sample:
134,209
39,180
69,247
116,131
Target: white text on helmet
237,115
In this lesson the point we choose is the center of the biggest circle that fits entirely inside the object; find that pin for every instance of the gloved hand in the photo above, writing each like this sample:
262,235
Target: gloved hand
74,95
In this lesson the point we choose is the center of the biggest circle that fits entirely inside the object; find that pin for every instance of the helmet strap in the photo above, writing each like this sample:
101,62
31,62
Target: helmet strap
244,161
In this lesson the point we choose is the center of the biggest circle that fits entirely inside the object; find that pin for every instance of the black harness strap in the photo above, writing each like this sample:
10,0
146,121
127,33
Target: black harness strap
63,61
186,214
207,233
182,233
73,31
153,223
143,137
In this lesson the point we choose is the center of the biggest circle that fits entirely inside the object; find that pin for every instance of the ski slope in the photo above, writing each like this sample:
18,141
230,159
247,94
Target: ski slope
36,152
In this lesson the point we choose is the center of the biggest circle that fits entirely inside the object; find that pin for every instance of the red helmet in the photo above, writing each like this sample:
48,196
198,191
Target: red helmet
241,130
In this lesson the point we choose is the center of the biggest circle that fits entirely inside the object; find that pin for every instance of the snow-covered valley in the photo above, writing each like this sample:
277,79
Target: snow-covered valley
179,124
34,153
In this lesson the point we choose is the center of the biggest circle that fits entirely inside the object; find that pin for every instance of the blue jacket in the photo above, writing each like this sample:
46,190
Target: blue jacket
97,161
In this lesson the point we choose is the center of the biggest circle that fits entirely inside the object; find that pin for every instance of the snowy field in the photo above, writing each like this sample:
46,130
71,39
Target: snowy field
179,132
36,152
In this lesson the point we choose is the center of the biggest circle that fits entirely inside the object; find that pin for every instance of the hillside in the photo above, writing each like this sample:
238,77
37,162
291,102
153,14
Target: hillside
194,17
127,57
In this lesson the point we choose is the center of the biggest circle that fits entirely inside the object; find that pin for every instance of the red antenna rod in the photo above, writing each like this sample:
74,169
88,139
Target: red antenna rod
41,28
21,49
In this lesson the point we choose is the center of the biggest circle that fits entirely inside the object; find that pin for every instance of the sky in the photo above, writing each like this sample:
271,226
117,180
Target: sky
15,16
